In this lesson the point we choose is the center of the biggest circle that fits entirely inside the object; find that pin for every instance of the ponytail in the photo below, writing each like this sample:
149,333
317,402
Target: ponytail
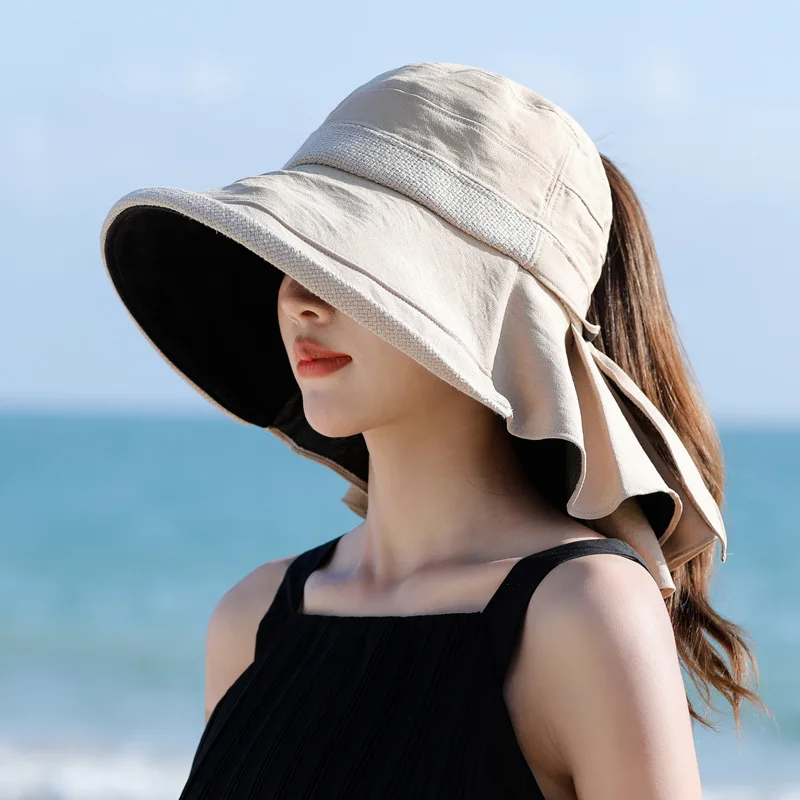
639,333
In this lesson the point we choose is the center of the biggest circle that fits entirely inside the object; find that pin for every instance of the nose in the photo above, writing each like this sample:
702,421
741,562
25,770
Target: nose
301,304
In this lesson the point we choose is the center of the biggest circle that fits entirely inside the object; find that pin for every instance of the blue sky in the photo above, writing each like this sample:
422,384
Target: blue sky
696,103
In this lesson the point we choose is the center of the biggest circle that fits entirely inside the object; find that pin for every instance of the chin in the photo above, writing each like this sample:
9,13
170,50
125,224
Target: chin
327,422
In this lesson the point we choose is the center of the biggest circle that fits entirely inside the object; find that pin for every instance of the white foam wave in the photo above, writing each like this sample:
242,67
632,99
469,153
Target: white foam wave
65,774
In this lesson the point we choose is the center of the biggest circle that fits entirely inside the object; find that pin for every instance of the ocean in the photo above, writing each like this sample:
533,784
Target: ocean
120,533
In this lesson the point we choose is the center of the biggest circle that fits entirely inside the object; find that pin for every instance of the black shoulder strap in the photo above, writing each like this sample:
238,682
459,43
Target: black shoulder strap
297,573
287,597
506,610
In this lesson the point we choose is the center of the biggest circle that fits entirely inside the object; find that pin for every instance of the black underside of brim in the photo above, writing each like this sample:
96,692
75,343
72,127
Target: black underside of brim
210,306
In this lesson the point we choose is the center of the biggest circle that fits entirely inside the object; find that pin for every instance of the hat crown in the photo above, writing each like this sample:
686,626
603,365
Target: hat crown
489,155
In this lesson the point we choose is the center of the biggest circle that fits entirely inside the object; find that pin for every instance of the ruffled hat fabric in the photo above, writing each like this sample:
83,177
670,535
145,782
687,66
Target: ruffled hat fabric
463,218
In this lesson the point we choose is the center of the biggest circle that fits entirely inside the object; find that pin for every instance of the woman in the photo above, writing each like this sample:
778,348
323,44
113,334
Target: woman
449,297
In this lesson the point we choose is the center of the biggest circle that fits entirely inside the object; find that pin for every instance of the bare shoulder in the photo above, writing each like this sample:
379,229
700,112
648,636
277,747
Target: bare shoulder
232,628
596,691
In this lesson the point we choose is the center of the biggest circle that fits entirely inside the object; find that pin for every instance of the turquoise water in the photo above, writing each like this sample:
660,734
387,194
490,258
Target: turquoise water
119,535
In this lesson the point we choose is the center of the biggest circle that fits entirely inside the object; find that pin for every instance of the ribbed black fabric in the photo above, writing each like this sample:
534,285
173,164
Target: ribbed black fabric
390,708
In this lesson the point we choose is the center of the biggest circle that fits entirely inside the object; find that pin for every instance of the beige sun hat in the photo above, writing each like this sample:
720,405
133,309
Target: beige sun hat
464,219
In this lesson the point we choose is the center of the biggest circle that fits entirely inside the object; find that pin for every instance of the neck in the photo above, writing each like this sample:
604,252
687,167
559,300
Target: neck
443,486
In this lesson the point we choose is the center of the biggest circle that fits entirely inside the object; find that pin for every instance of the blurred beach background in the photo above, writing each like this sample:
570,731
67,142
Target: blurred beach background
129,505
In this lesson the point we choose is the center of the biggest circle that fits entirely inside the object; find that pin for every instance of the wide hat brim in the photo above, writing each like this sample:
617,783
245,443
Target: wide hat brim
199,272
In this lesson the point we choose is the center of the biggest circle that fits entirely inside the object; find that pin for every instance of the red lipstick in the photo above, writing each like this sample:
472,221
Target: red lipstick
315,360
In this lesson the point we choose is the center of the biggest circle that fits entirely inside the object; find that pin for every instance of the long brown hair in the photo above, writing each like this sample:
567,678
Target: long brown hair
639,333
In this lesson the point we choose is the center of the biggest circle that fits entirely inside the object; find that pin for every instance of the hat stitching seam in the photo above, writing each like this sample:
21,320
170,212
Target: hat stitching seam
584,203
589,286
549,206
548,211
475,124
579,135
569,258
546,214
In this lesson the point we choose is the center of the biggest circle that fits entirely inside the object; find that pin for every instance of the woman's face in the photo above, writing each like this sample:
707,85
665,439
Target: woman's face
380,385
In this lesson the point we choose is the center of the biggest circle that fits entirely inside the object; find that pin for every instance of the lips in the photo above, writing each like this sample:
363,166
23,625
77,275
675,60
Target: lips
307,349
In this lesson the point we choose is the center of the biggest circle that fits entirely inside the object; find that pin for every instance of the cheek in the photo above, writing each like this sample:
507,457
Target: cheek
384,387
403,383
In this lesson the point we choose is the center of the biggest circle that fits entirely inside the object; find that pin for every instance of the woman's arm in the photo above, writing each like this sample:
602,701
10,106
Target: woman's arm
599,665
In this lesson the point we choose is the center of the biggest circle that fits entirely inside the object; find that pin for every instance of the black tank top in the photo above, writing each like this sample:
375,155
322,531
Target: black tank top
386,708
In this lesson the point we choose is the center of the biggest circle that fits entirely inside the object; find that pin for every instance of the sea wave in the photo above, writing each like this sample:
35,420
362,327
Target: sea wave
38,773
68,774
